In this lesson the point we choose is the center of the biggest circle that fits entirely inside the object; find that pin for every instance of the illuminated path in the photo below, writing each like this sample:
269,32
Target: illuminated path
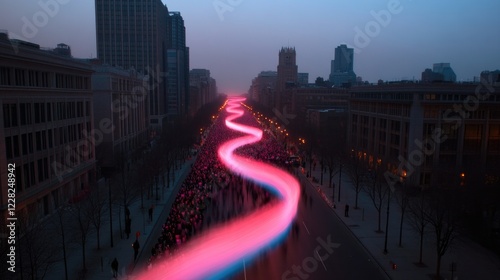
220,249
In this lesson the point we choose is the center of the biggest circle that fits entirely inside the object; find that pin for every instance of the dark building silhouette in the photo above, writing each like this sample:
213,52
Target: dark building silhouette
394,124
342,73
429,76
263,88
287,77
491,77
178,67
445,70
134,34
203,89
46,129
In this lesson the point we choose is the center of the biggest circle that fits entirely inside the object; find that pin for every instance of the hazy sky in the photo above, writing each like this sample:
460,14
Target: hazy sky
236,39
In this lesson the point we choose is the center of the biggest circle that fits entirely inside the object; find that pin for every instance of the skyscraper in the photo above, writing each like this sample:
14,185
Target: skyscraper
445,70
134,34
342,66
287,76
178,67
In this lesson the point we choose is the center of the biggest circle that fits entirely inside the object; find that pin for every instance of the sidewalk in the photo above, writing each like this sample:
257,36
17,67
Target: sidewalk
472,260
99,261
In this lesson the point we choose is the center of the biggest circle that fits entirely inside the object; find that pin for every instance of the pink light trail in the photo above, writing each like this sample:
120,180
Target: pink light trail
224,246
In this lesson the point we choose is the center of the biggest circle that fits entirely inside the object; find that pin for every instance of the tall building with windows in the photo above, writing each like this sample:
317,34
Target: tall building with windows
342,67
430,131
263,88
203,89
445,70
47,128
119,99
287,76
178,67
134,34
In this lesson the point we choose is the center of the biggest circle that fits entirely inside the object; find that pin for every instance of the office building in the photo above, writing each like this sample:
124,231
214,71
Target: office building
263,88
445,70
302,79
287,77
134,34
119,99
342,67
203,89
47,128
178,67
434,133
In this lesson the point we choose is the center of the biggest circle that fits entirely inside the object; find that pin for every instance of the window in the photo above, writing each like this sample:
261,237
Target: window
19,76
5,76
25,113
15,144
24,140
37,113
9,115
49,112
33,78
8,147
30,143
38,141
49,135
44,79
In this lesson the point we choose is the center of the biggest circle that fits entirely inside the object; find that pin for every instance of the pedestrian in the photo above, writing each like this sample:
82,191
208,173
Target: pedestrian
346,213
136,247
114,266
150,212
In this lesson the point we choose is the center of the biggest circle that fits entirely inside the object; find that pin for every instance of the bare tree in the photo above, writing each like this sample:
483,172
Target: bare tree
36,247
404,191
443,218
329,158
377,190
97,208
356,171
125,185
417,208
81,225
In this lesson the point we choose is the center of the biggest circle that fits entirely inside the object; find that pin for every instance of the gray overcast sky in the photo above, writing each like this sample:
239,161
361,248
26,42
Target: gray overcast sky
236,39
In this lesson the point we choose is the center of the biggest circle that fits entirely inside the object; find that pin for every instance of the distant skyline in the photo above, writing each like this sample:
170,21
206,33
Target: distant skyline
237,39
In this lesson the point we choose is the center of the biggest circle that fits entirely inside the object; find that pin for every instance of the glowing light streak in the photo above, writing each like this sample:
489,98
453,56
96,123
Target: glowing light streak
220,248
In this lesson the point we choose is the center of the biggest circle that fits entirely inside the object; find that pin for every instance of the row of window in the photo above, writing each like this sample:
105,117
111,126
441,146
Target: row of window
43,169
28,143
38,112
35,78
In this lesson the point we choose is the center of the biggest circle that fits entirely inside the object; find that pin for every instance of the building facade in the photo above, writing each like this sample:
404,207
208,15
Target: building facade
203,89
287,77
263,88
47,128
445,70
342,67
119,98
307,99
429,133
178,67
135,34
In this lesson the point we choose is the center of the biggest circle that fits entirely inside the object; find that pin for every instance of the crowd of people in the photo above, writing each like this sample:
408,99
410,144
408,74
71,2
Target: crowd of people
211,186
